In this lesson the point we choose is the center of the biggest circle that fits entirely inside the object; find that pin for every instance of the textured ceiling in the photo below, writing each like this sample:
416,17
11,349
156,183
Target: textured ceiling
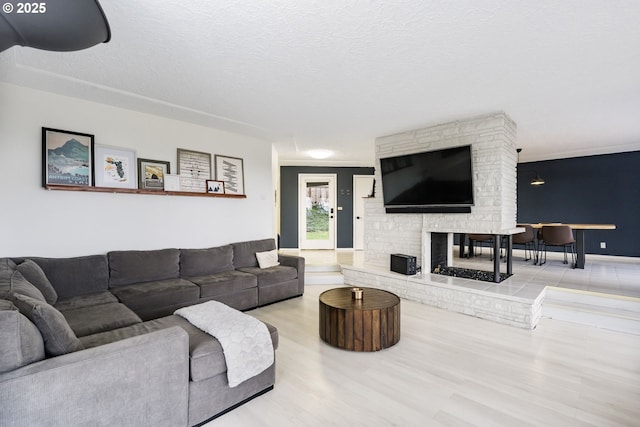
336,74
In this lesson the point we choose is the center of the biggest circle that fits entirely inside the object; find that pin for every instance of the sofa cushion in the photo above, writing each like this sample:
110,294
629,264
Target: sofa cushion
56,333
206,358
128,267
34,274
244,253
21,341
75,276
99,318
243,300
224,283
88,300
272,275
157,294
200,262
267,259
278,292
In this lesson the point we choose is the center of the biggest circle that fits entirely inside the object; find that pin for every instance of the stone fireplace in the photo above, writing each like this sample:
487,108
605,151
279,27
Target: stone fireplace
494,158
429,237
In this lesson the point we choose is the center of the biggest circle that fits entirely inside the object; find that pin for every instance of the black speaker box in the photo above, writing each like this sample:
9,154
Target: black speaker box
403,264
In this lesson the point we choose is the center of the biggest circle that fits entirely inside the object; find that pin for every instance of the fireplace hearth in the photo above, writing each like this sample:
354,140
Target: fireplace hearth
468,273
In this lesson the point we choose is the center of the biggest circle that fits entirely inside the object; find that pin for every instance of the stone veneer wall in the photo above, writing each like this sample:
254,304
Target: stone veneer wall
494,160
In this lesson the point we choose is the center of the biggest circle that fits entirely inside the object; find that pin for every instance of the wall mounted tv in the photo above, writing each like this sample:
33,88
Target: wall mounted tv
439,181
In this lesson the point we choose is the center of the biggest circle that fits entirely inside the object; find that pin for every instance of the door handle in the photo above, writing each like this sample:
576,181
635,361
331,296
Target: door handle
357,217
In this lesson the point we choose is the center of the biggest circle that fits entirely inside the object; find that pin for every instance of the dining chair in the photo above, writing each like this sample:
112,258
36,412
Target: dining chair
557,235
479,239
528,239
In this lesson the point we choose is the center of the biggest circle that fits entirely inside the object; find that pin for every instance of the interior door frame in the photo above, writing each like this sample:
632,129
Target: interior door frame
332,179
355,201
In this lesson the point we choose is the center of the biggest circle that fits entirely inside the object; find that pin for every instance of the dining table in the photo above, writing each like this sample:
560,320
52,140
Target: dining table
580,230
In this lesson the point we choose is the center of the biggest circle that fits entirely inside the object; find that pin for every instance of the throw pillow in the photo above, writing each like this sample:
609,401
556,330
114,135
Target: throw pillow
20,285
21,341
7,267
56,332
267,259
34,274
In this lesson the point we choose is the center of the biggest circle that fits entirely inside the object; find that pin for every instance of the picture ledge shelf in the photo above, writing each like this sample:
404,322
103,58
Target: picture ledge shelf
139,191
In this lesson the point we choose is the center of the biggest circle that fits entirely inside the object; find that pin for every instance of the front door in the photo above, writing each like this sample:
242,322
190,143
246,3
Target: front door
317,211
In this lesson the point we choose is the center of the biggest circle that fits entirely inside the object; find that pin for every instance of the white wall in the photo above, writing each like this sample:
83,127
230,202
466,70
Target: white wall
63,223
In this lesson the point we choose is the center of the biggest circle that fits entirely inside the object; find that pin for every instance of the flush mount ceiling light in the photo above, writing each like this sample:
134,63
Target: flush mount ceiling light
320,154
63,25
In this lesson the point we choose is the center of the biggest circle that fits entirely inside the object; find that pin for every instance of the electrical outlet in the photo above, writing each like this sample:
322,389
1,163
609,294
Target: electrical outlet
603,245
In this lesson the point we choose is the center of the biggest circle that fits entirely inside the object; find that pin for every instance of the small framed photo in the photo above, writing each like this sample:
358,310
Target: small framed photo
231,171
215,187
152,174
67,158
115,167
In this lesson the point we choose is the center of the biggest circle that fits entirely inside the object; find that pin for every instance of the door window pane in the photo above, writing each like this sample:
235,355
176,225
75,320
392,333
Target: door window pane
318,211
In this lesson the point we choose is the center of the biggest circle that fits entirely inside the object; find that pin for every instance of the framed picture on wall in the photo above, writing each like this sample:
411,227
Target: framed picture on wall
215,187
171,182
231,171
67,158
152,174
115,167
194,168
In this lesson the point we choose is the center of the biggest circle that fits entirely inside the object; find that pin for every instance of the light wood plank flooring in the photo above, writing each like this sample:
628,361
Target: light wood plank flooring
447,370
603,274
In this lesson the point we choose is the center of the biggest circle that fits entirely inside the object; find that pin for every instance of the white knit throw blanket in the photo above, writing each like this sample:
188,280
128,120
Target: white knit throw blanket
245,340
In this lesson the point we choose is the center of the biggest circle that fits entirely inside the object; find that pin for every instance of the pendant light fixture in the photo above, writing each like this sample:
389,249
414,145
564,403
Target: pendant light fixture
537,181
61,25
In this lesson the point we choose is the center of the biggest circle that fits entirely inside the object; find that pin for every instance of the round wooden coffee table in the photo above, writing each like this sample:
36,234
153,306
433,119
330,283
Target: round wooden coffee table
369,324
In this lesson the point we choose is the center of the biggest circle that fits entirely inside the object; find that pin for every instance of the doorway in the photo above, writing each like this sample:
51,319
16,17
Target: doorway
362,188
317,211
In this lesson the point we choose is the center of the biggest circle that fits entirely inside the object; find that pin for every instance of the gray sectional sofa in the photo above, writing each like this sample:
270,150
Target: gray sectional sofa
93,340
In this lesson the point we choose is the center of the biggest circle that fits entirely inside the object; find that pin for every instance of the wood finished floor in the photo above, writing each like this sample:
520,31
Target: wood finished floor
447,370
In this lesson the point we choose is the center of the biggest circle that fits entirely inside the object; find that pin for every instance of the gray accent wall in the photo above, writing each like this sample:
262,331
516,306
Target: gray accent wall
594,189
289,202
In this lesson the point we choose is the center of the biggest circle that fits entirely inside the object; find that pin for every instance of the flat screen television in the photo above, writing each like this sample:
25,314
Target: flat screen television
439,181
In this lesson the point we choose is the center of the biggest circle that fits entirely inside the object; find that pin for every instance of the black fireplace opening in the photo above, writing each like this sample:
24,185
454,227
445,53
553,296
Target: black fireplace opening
439,263
438,249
